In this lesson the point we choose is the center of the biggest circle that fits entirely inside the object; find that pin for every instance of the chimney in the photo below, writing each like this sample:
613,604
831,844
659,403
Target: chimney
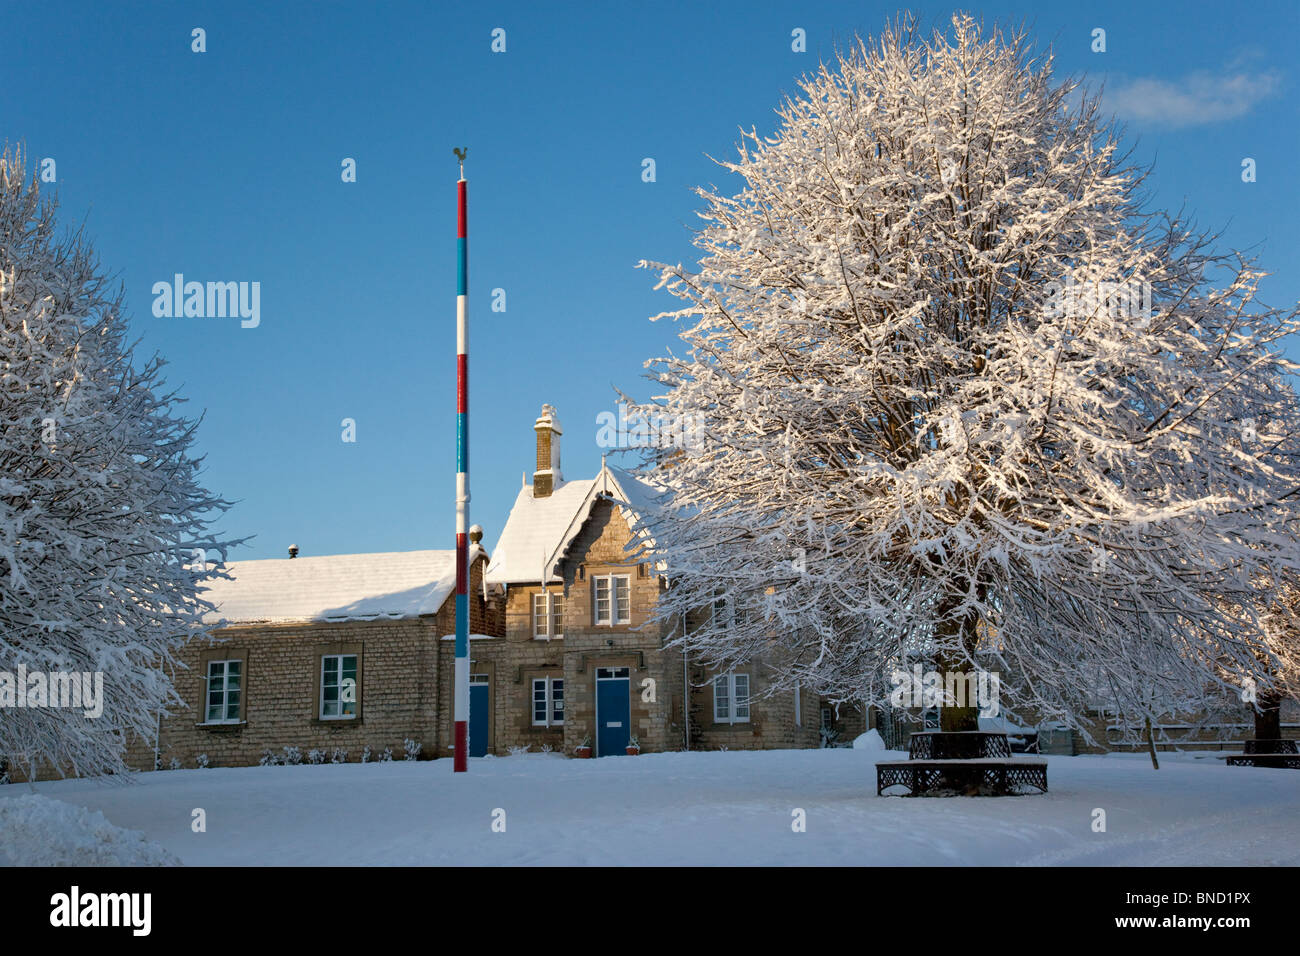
293,551
548,473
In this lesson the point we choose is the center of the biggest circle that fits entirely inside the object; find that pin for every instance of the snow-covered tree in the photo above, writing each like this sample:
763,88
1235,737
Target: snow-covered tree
1281,622
941,422
101,512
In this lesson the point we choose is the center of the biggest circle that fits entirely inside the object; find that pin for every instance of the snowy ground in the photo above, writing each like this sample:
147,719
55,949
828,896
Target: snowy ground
695,808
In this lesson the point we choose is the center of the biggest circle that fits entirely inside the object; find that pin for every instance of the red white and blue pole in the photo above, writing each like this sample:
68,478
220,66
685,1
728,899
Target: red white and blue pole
461,715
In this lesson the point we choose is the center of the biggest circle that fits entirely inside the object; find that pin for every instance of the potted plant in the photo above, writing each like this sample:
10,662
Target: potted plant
583,750
633,746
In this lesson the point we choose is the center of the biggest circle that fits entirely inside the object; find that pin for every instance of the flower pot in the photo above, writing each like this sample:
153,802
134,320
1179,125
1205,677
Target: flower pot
582,753
633,751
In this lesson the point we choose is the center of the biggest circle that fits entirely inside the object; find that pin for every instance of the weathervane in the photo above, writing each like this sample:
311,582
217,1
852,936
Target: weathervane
460,155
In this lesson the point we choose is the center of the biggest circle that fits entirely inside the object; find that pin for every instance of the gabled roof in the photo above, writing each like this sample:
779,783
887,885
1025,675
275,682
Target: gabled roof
340,587
640,499
533,529
539,531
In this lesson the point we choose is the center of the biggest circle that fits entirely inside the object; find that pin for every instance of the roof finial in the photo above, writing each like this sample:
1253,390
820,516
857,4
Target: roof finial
460,155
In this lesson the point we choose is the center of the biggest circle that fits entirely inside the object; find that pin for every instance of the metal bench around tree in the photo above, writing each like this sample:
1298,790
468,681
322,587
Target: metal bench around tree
957,745
985,776
1278,753
964,762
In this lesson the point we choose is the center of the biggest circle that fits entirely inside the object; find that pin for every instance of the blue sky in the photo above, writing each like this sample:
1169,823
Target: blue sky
225,166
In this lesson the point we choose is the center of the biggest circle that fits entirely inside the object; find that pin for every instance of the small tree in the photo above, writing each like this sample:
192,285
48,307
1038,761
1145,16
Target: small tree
101,512
956,380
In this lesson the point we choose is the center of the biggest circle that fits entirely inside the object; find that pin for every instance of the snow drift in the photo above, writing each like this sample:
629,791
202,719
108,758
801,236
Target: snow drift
40,831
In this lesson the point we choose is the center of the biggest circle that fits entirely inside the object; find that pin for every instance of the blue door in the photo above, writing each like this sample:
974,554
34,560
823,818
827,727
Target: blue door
613,711
479,702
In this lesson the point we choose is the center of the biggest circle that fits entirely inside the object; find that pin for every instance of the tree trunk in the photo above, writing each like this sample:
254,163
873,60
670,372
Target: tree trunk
1268,719
1151,744
953,717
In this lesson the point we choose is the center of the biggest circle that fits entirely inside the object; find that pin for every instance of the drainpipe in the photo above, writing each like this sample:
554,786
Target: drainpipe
686,690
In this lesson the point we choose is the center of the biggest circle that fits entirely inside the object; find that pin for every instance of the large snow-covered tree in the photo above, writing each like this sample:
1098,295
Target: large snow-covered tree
941,421
101,510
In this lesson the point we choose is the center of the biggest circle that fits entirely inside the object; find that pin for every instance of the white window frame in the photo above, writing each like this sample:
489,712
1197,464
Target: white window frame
356,667
550,699
611,582
728,714
552,619
225,692
722,612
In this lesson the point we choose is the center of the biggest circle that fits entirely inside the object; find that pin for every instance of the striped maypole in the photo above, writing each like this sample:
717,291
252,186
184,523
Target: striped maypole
462,475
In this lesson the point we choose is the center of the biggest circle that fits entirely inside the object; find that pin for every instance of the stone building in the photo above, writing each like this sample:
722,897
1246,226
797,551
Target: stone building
334,653
347,652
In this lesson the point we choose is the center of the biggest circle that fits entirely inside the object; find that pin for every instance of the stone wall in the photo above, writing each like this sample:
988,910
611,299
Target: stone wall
397,693
398,681
773,721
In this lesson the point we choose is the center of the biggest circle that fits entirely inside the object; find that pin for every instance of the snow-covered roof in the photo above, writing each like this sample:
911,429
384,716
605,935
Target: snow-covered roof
338,587
533,530
1001,725
539,530
638,496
